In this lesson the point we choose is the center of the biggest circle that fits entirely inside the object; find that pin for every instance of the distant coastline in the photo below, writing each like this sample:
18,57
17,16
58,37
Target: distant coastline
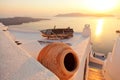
19,20
83,15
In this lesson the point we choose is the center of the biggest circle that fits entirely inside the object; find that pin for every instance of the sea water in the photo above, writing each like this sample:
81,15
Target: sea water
102,29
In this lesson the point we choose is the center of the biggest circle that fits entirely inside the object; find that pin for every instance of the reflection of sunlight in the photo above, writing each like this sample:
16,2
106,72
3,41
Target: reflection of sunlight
99,27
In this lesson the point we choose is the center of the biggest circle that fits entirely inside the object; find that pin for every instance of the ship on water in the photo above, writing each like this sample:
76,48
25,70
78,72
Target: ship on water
70,58
59,33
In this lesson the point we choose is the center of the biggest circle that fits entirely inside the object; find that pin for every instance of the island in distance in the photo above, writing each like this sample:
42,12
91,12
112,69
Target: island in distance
83,15
19,20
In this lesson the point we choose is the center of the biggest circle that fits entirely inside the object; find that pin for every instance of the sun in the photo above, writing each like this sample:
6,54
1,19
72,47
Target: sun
100,5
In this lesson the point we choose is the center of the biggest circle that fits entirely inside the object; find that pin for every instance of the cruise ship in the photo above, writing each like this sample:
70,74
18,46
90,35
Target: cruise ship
56,59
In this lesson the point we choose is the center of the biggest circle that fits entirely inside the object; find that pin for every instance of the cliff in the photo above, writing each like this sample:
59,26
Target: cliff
19,20
83,15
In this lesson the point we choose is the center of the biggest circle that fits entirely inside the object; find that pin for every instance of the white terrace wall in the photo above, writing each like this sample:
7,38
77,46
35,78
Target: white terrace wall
111,67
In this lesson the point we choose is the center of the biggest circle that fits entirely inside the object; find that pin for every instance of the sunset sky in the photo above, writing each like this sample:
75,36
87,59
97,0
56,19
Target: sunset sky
41,8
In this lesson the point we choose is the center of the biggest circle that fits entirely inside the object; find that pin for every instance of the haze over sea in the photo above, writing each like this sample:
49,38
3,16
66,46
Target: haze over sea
103,29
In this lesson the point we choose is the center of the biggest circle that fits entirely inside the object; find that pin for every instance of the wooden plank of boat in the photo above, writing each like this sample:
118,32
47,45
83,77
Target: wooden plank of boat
57,33
62,36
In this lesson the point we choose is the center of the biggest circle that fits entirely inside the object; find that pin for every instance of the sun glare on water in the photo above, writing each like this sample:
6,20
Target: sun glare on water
99,27
100,5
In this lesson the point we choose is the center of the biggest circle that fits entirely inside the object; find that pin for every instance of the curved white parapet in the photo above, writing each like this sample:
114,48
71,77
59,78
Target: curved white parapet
16,64
111,68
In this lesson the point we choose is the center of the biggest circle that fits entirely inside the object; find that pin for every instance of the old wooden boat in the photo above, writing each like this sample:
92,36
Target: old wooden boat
59,33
